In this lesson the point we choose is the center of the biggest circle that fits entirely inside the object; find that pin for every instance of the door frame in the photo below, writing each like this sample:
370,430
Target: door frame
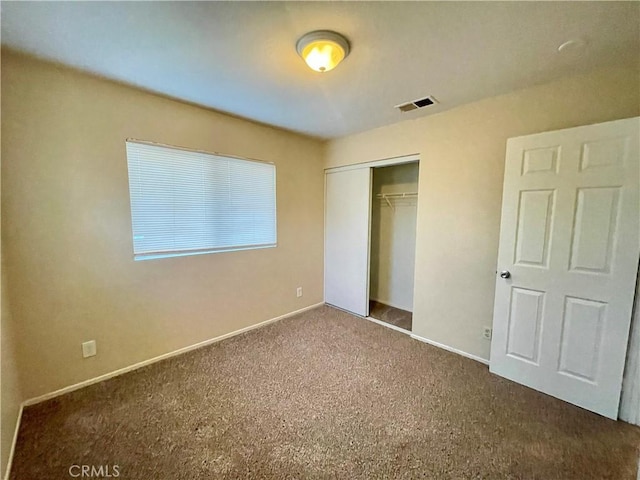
386,162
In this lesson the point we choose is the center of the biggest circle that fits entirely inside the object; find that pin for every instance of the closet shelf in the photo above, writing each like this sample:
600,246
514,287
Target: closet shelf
397,195
392,196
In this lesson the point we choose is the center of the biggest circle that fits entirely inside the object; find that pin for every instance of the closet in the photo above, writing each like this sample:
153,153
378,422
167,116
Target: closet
370,239
393,243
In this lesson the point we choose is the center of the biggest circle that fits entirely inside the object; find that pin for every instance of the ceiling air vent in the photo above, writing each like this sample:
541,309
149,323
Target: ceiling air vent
423,102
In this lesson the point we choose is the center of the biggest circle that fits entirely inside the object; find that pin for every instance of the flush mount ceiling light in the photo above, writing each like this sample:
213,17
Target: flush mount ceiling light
323,50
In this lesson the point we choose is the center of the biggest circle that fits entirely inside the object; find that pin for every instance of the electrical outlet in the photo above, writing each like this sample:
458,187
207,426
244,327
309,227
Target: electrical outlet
486,333
299,292
89,348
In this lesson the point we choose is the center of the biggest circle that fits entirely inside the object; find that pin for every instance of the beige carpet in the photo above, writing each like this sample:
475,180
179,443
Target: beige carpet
392,315
320,395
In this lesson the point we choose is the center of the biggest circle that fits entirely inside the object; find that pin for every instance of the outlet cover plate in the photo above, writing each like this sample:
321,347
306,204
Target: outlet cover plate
486,333
89,348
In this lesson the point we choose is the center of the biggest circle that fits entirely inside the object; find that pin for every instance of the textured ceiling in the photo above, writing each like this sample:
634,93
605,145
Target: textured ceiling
239,57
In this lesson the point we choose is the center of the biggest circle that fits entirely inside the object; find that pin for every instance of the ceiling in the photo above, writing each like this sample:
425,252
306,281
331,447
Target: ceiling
240,57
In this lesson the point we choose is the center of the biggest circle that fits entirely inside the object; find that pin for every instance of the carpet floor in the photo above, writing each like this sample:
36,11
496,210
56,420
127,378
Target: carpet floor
392,315
320,395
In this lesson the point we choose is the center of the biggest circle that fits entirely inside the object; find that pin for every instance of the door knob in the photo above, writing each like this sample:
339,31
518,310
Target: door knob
505,274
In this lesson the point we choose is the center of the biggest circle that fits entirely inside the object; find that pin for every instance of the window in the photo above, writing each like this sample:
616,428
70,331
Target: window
187,202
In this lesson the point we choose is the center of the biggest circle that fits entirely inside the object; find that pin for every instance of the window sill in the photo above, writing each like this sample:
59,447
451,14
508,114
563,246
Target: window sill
154,256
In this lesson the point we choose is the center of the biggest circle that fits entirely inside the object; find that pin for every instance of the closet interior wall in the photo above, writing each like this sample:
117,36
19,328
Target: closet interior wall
393,235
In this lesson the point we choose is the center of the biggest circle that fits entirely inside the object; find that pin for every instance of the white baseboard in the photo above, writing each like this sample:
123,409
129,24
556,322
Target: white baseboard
135,366
430,342
13,442
419,338
180,351
121,371
450,349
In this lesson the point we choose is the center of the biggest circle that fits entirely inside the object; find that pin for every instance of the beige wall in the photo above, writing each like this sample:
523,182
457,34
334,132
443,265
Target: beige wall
461,174
67,227
10,388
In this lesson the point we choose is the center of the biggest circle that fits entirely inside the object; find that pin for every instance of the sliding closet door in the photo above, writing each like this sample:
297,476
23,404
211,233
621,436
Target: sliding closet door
346,261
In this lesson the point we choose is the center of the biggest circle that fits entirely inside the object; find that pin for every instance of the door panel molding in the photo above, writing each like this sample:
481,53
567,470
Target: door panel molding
570,236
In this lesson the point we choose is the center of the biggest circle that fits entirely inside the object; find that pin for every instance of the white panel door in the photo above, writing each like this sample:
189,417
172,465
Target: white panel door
346,260
569,239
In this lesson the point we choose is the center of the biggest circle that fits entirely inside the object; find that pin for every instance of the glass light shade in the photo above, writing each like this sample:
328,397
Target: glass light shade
323,55
323,50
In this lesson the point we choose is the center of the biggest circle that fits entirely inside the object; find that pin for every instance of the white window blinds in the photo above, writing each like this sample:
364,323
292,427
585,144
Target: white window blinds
186,202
